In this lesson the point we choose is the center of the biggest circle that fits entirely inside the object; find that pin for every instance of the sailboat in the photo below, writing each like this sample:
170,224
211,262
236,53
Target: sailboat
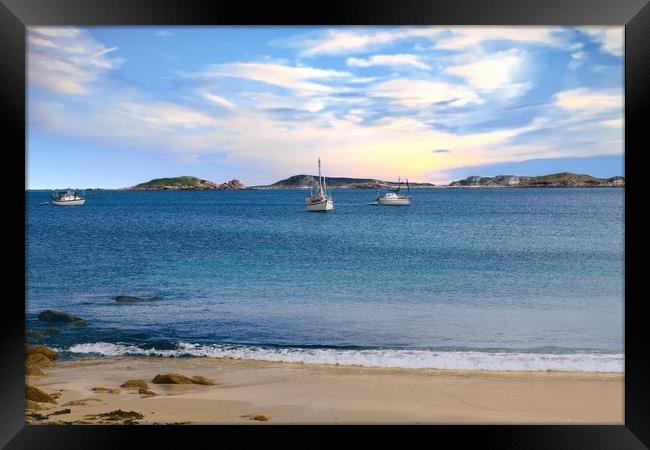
318,199
395,198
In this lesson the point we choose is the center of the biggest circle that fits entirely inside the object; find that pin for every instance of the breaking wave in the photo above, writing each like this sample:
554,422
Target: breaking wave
397,358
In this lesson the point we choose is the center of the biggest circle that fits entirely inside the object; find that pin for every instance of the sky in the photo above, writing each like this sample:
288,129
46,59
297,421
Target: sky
111,107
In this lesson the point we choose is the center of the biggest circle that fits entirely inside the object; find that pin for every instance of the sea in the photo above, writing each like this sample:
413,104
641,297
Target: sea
477,278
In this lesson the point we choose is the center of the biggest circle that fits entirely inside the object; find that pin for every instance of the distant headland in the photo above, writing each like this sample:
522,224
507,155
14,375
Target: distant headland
563,179
555,180
186,183
306,181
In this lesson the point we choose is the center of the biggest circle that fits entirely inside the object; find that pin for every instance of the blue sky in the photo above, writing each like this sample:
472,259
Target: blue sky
114,106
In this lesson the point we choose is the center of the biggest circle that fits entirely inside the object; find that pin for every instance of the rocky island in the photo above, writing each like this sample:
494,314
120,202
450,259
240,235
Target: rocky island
307,181
556,180
563,179
186,183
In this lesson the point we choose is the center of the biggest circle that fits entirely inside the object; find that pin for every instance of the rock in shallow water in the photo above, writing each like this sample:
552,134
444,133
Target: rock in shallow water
134,299
40,349
50,315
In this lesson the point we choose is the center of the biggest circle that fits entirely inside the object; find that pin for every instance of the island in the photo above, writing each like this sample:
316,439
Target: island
557,180
186,183
307,181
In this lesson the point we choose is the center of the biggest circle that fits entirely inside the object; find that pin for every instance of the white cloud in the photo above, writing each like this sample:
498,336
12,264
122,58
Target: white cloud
585,100
56,32
420,93
345,41
296,78
217,100
465,37
163,33
616,123
357,40
66,60
270,101
611,39
164,114
495,71
397,60
577,60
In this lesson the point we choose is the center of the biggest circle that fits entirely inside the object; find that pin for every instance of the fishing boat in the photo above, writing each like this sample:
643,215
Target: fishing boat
395,198
71,197
318,199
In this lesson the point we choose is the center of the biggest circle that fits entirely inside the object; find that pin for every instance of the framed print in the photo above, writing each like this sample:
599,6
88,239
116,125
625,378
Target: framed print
368,214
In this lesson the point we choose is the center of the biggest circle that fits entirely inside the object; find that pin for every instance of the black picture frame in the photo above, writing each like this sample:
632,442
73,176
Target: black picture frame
15,15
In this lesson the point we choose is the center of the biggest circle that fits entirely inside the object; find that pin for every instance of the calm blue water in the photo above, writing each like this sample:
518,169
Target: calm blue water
464,278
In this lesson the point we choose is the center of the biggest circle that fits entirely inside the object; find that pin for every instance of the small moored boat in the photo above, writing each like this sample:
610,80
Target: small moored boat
395,198
71,197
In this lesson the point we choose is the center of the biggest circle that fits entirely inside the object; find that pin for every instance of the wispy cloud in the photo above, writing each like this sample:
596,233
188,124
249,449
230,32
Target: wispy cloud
577,60
302,79
461,38
66,60
610,38
590,101
394,60
217,100
164,33
422,93
357,40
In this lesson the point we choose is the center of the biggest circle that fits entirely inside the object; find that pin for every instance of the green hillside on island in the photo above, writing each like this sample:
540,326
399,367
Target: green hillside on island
563,179
185,183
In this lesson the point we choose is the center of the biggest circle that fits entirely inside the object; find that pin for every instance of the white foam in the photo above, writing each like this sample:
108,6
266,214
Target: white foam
398,358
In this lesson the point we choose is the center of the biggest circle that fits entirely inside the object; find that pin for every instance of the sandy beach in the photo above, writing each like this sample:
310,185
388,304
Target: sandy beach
256,392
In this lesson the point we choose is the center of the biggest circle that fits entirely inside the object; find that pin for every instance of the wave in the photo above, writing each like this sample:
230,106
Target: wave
397,358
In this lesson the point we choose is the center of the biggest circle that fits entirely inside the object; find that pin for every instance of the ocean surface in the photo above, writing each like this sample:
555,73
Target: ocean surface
496,279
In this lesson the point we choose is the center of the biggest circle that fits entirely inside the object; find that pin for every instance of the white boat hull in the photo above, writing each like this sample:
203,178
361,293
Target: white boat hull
394,202
322,206
69,202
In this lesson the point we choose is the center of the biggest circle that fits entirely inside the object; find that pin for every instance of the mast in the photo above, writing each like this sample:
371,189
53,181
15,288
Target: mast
408,186
320,182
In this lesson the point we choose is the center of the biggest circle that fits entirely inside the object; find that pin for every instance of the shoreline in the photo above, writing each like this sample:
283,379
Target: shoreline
294,392
444,359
